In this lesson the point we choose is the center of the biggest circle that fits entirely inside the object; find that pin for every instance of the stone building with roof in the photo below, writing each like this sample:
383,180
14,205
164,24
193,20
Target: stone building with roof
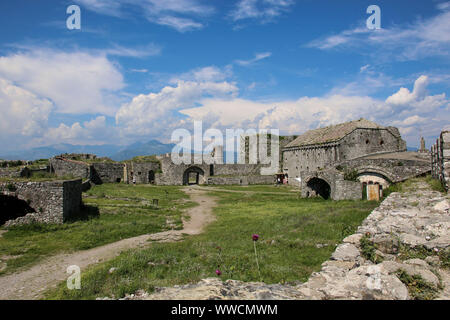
322,148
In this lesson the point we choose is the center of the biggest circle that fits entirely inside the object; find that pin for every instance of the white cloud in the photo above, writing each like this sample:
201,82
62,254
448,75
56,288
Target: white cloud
76,82
139,70
178,14
430,37
414,113
136,52
23,114
265,10
89,132
208,74
258,57
180,24
157,113
418,99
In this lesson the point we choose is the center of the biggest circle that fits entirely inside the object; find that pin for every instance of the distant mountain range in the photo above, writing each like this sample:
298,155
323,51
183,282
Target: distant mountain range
142,149
117,153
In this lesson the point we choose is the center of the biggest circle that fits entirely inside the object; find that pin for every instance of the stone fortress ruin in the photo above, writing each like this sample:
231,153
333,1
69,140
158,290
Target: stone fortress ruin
337,161
343,161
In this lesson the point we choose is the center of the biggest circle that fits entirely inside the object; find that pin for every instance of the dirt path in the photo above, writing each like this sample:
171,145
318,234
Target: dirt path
31,283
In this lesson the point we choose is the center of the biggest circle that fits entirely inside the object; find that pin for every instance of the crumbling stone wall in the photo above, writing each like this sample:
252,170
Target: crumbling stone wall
440,159
106,172
339,189
52,201
98,172
66,167
142,171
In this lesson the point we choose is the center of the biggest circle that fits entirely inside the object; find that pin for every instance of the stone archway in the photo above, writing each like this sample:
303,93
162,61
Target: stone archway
192,175
369,177
12,208
319,187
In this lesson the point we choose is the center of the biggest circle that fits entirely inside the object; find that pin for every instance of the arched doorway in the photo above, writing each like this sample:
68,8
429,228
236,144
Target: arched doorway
192,175
319,187
12,208
151,177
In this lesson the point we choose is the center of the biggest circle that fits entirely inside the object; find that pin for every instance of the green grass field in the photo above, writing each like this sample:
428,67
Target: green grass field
290,230
114,212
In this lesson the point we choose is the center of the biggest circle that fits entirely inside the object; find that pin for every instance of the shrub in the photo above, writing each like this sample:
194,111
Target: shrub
368,250
351,175
418,288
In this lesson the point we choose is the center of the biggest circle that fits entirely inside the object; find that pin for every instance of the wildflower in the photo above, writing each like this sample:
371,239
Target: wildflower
255,237
218,272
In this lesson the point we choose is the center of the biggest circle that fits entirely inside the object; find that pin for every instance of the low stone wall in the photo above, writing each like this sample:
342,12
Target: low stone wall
256,179
14,172
347,190
52,201
225,181
241,180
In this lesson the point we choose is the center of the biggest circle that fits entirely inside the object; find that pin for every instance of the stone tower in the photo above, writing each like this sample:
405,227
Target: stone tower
422,145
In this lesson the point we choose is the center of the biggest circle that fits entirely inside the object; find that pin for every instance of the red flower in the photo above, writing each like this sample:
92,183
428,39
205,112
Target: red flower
218,272
255,237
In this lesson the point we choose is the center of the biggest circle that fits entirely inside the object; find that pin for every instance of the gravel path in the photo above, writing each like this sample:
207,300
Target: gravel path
31,283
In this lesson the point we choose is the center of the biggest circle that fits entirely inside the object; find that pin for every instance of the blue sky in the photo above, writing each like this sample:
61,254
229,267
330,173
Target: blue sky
137,70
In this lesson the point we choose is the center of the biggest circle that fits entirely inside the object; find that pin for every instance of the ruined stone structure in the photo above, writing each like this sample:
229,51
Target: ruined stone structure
329,184
321,160
19,172
97,172
43,202
375,153
440,159
182,174
324,147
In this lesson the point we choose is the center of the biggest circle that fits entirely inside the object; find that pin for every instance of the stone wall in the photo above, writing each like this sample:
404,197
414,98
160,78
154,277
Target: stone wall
329,183
52,201
236,169
358,143
347,190
19,172
106,172
241,180
440,159
97,172
142,171
395,170
369,141
65,167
